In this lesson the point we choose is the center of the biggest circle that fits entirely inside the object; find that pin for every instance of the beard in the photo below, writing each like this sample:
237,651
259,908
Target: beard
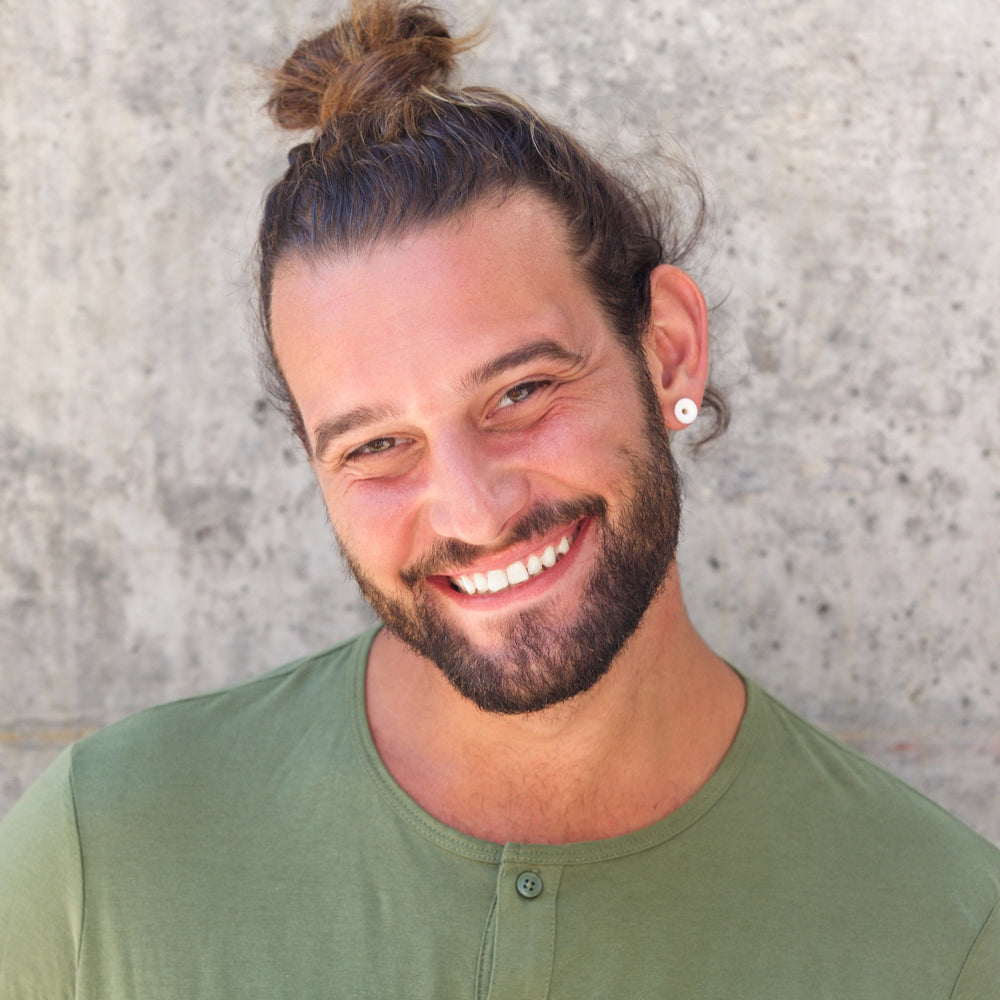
542,656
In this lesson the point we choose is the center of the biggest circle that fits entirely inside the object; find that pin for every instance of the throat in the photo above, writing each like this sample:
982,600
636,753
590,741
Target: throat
521,808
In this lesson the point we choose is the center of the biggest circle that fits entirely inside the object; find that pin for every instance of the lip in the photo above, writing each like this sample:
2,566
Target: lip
529,588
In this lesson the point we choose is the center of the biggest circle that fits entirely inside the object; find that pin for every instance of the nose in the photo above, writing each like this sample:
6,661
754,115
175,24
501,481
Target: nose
472,495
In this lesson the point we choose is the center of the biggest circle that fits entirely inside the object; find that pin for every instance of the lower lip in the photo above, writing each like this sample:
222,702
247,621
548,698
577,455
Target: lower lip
511,595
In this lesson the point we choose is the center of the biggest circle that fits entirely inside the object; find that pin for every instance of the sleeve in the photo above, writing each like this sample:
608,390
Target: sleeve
980,975
41,890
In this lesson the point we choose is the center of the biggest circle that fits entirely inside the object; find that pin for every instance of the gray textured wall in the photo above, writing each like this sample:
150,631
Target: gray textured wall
159,533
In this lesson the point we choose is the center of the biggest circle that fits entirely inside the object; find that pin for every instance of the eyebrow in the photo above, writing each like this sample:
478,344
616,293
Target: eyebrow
360,416
363,416
549,350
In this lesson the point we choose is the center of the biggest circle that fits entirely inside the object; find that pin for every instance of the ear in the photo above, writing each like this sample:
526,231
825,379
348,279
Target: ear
676,343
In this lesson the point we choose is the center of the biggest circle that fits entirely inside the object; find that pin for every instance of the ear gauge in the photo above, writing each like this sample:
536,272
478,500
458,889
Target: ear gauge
685,410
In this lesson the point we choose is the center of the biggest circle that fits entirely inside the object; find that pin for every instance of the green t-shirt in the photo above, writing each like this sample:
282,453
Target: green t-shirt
250,843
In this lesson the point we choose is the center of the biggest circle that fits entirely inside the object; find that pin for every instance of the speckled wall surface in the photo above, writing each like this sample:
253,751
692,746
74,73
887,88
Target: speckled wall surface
159,532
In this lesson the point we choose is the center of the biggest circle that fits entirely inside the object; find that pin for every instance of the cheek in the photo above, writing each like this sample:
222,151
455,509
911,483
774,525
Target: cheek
575,445
374,521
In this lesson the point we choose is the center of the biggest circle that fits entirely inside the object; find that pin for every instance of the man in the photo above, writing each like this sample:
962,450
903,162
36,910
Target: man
537,780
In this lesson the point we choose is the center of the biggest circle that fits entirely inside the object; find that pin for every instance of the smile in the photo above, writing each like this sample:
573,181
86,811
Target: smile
495,580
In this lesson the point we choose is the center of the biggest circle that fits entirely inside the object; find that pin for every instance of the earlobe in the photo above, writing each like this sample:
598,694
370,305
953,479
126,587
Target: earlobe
677,341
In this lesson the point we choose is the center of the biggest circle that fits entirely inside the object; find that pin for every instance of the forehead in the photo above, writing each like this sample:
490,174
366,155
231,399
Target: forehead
362,327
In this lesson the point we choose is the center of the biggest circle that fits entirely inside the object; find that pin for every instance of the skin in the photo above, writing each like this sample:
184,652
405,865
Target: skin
427,452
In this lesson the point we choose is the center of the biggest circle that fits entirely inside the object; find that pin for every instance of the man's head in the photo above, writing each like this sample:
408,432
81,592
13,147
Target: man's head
494,462
463,311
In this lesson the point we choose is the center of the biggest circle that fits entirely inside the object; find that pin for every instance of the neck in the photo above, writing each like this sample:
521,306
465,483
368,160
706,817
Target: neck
610,761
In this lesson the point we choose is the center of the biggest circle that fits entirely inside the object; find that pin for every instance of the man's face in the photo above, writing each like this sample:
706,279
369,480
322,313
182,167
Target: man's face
494,464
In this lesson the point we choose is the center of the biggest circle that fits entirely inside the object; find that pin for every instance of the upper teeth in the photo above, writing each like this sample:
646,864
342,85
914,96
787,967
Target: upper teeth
517,572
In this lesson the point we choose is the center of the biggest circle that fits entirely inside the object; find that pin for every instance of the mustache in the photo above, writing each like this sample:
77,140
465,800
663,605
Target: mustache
447,553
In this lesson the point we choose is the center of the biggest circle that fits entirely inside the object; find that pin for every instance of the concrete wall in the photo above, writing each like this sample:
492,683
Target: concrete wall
159,533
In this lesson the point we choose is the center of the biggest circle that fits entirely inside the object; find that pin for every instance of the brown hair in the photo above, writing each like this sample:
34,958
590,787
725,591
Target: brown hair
396,147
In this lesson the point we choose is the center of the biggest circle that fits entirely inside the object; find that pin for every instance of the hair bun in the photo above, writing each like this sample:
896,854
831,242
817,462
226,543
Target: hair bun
377,54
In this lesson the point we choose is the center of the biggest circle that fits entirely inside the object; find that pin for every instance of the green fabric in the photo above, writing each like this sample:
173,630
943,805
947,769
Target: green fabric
250,843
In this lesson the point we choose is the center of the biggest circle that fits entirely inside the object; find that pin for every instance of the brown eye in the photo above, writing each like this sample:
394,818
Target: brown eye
375,447
519,393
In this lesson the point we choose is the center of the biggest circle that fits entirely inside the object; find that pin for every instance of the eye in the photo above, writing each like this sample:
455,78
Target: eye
519,393
377,446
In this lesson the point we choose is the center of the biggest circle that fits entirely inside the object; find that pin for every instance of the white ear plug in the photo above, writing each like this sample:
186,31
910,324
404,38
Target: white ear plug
686,410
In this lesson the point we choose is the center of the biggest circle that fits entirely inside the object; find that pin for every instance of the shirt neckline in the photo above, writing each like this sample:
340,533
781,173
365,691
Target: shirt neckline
582,852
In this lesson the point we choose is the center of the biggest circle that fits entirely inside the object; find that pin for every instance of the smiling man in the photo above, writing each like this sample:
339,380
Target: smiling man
493,460
536,780
496,466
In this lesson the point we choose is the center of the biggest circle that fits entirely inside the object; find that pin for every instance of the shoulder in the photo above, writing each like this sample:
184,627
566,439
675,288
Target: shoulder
847,855
162,799
823,774
185,756
232,716
865,818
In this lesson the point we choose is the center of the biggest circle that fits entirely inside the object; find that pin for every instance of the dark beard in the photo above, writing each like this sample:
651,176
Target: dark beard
540,661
